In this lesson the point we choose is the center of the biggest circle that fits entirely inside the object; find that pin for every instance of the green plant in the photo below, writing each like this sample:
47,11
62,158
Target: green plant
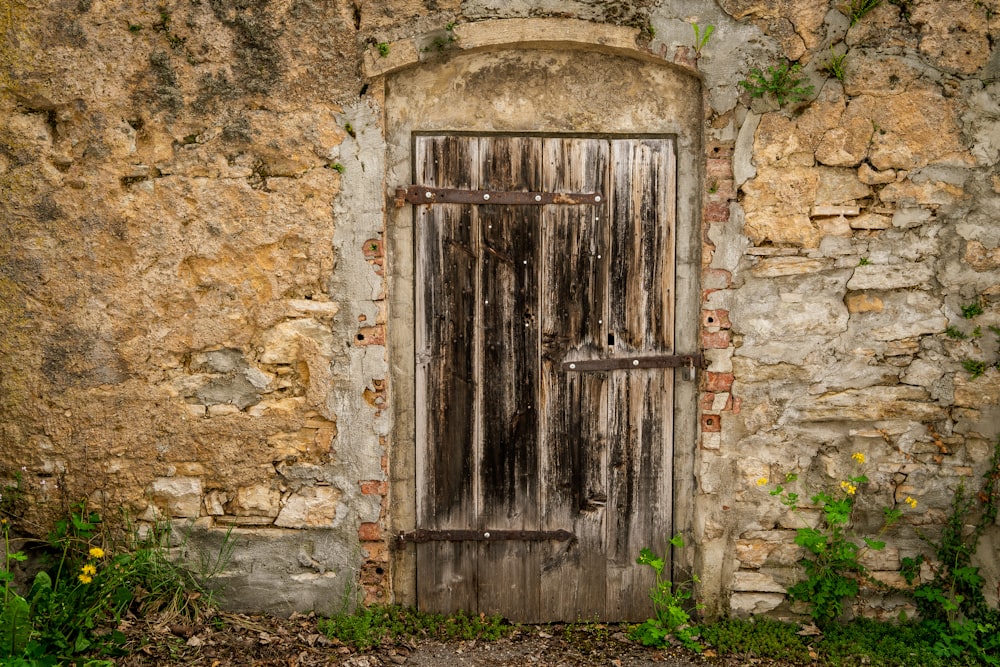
350,130
383,49
73,606
832,565
337,167
975,367
781,81
856,9
864,261
757,637
955,334
372,626
701,38
670,616
971,310
834,65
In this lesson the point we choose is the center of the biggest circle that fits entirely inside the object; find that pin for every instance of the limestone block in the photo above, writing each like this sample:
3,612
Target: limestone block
751,604
215,502
311,507
871,221
892,276
744,580
864,303
954,35
904,315
773,267
983,391
910,216
817,309
256,500
870,404
981,258
777,204
934,193
914,128
883,559
869,176
177,496
282,343
922,373
839,186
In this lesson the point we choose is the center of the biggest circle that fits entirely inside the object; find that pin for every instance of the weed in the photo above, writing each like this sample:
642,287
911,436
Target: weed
971,310
372,626
780,81
864,261
383,49
856,9
833,568
974,367
670,618
834,65
701,38
757,637
337,167
955,334
350,130
134,27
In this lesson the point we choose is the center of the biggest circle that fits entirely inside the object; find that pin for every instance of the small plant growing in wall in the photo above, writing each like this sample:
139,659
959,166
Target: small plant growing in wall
383,49
834,65
974,367
832,563
701,37
781,81
670,616
856,9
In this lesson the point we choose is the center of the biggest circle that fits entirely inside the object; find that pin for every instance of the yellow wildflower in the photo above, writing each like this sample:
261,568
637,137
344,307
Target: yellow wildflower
88,569
761,481
848,488
85,578
859,457
96,552
911,502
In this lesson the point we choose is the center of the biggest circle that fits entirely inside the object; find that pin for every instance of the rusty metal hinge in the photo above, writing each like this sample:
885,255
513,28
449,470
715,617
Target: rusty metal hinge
619,363
422,194
424,535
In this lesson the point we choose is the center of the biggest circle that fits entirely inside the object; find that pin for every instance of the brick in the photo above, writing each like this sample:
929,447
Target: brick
369,532
372,248
711,423
374,487
706,401
716,278
370,335
715,340
716,212
716,318
718,382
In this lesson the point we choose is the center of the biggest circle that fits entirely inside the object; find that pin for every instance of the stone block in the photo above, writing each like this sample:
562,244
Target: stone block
871,221
891,276
311,507
752,604
864,303
256,500
758,582
773,267
177,496
871,404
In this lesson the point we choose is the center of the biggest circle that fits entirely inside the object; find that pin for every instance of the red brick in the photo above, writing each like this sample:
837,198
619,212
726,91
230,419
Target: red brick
716,212
711,423
370,532
372,248
724,150
716,318
718,382
370,335
706,401
716,277
715,340
718,169
374,487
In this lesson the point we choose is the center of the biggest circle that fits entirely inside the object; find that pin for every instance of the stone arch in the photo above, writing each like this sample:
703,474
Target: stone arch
530,76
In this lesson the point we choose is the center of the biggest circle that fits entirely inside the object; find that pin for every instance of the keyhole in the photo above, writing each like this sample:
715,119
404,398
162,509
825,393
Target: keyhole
611,340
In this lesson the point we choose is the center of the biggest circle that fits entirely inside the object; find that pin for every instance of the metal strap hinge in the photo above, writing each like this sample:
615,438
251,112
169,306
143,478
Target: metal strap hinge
422,194
619,363
424,535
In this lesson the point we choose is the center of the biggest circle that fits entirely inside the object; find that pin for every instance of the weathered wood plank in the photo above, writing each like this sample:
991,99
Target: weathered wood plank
573,418
640,401
509,372
447,254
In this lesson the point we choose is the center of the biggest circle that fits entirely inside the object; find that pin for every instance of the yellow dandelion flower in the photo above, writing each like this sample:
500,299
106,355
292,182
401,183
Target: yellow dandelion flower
88,569
85,578
911,502
859,457
96,552
761,481
848,488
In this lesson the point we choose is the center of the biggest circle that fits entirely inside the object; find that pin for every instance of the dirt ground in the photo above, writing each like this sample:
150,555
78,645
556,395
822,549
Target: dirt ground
231,640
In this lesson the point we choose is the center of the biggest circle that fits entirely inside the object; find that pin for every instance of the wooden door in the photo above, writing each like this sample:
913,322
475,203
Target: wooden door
527,423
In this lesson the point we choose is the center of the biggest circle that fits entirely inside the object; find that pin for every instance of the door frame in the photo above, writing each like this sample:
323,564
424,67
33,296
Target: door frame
409,110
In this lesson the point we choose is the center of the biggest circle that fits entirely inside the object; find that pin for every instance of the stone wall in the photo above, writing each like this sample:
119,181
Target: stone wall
194,305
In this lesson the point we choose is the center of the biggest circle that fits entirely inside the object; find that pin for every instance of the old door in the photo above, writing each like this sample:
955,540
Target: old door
544,404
